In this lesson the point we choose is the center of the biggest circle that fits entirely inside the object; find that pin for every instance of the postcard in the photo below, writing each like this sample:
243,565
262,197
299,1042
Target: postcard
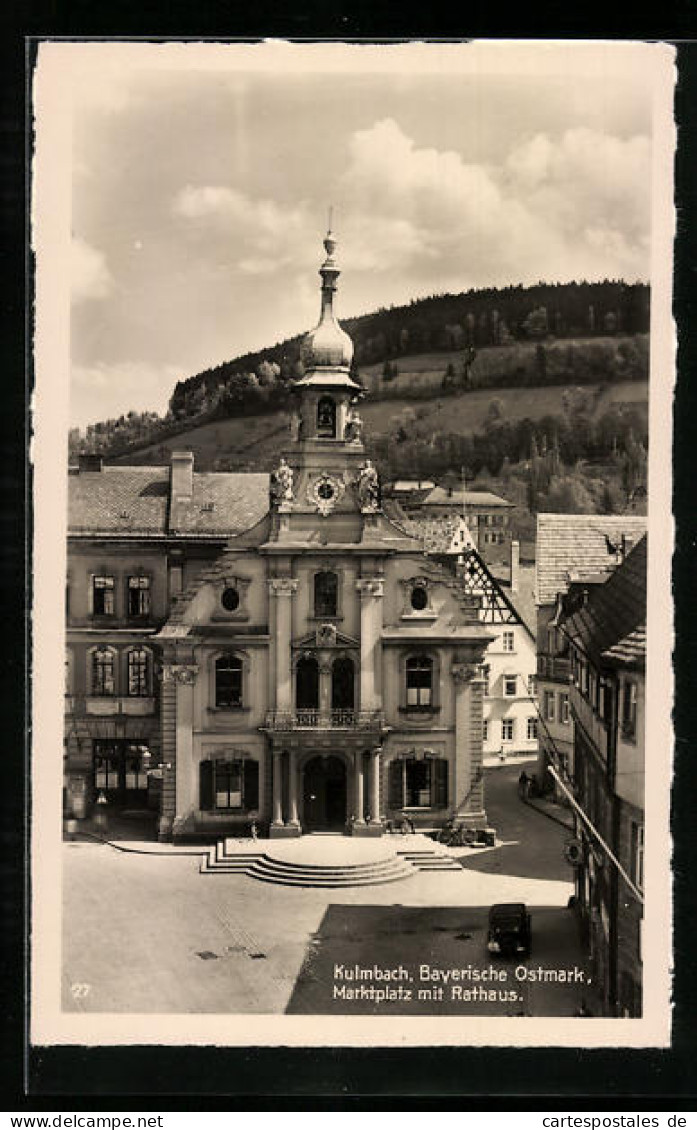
351,609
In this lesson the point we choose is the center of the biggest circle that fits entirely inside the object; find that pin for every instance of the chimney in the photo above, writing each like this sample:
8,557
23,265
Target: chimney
515,565
89,461
182,476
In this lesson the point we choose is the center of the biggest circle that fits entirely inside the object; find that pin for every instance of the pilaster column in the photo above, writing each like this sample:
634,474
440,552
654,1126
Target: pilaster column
293,789
375,762
468,789
325,687
358,773
370,590
183,675
283,588
277,788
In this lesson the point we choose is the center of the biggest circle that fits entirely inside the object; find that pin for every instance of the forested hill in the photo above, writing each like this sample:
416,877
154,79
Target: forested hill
475,318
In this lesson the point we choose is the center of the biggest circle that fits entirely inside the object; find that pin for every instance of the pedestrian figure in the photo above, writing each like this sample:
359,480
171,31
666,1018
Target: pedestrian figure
523,785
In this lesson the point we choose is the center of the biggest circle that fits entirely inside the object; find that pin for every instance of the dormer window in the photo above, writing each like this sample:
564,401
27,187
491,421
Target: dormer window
230,599
419,598
326,418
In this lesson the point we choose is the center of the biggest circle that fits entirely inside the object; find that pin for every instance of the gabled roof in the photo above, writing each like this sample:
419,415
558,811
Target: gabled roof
439,496
609,623
575,544
223,502
119,500
136,500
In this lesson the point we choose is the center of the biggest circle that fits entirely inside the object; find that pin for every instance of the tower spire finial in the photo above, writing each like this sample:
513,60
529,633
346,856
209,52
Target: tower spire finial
329,218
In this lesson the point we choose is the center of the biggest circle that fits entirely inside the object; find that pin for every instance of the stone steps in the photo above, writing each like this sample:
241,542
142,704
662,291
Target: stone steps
430,860
268,866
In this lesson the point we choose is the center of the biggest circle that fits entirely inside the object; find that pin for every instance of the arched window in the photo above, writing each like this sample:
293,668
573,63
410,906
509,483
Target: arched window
139,672
228,682
103,680
419,681
326,417
343,684
326,594
307,684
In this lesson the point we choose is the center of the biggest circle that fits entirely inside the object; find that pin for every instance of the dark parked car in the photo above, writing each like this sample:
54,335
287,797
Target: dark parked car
509,929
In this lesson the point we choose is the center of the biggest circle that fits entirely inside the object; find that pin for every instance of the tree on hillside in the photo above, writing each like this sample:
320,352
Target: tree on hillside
567,495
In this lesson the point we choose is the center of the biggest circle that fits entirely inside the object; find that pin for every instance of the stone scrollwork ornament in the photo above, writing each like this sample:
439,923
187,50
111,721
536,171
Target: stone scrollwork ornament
325,492
184,673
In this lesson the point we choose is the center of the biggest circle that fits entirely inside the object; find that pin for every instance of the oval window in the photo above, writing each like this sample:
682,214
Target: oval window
230,600
419,598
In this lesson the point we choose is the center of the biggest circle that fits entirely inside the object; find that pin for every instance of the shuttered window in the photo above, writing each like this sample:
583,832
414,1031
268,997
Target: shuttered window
229,784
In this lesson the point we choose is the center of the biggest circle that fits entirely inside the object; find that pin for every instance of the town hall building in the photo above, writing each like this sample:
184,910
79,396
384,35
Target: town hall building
281,652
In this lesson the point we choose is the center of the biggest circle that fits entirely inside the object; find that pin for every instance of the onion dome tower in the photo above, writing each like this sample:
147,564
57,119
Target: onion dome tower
327,388
324,475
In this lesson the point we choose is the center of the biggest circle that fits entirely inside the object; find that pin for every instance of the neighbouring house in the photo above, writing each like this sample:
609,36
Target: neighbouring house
605,627
570,548
487,517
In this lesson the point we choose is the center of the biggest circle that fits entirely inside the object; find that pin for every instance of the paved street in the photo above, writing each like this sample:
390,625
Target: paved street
147,933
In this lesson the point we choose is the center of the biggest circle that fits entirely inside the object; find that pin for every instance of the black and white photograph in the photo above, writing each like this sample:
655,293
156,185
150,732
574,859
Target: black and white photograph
352,616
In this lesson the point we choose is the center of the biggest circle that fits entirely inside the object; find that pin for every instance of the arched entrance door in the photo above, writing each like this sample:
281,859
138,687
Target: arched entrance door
324,794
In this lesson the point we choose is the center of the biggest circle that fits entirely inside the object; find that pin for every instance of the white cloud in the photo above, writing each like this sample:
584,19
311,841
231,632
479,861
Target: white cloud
268,233
574,205
90,277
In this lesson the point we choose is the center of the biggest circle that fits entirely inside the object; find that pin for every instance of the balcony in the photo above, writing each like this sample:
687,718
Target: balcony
351,720
554,667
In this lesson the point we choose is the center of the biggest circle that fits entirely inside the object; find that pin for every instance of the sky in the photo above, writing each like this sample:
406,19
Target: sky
200,184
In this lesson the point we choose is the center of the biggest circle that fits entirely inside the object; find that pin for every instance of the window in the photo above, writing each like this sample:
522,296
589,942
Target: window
419,681
532,729
532,686
138,672
510,685
551,640
102,595
486,670
228,682
230,599
485,730
548,706
226,783
419,598
139,596
326,417
120,770
508,641
418,783
629,700
326,594
507,729
103,681
637,855
564,708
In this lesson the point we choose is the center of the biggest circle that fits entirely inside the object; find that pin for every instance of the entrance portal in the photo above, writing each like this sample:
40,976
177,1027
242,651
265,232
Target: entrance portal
324,794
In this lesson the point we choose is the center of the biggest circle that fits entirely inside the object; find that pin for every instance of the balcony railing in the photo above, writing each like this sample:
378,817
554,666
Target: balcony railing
318,720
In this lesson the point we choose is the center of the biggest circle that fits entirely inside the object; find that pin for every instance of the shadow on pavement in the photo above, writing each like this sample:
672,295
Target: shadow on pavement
407,960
